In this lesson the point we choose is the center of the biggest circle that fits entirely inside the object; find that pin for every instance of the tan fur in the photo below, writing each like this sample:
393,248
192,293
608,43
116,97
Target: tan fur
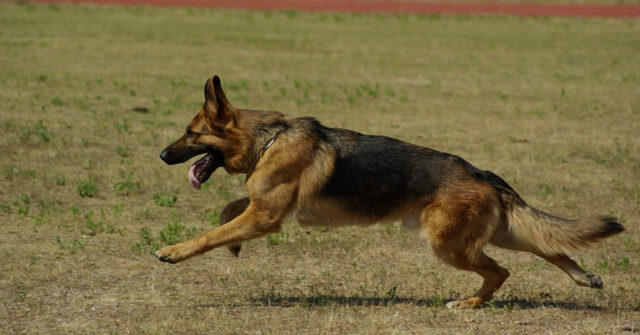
533,230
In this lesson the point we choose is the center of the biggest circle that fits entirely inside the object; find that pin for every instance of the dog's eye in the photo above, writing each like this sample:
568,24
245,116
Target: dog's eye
191,133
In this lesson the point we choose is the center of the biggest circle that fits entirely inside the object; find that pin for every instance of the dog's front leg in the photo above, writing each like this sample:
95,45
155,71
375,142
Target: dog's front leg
250,224
272,189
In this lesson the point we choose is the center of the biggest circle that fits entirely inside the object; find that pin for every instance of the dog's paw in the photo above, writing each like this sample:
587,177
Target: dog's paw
170,254
468,303
452,304
595,281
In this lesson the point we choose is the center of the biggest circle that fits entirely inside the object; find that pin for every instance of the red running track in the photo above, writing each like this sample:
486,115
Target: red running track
363,6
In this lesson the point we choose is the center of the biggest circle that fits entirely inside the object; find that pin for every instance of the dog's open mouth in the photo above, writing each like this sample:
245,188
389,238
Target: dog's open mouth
202,169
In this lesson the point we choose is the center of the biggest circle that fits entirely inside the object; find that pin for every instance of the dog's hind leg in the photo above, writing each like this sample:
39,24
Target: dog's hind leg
570,267
458,227
493,274
504,239
230,212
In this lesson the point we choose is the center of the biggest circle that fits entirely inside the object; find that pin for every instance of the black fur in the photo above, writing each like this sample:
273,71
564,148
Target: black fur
378,174
610,227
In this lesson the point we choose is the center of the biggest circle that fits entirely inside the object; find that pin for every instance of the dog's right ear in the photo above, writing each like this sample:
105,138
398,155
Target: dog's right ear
219,110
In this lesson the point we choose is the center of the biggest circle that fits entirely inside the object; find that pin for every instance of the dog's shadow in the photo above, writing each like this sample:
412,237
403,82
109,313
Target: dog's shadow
358,301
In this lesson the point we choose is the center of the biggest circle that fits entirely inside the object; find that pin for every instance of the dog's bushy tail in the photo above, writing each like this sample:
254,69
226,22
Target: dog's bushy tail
550,235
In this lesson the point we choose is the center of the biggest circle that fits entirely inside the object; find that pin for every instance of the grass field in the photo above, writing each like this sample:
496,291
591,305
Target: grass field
551,105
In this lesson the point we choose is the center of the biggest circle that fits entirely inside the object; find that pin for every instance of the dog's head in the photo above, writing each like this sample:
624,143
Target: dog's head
214,132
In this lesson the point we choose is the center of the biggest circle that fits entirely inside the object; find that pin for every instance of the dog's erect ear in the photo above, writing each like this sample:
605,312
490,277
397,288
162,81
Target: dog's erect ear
218,108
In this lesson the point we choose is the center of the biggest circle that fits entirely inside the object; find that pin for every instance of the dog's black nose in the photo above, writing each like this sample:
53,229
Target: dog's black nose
164,155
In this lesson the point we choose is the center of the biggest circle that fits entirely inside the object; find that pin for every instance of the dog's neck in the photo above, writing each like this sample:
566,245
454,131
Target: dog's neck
260,151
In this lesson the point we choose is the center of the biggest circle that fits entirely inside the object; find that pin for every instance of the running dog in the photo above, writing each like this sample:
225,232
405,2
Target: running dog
325,176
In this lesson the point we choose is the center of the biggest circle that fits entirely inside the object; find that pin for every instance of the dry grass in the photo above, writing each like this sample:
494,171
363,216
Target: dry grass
551,105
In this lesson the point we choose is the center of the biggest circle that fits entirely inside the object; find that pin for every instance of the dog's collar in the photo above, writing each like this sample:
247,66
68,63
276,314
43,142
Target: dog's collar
261,151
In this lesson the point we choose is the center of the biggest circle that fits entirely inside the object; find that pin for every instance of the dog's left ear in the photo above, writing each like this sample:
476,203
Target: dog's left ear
218,108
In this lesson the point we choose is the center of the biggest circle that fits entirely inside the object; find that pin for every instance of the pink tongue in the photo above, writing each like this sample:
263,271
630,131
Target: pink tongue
192,178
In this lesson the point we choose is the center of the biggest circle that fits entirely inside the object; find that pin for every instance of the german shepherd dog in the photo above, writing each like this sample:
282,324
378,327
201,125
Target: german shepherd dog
331,177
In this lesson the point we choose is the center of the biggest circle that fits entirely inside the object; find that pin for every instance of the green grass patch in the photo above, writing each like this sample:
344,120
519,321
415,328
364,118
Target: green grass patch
86,188
126,185
146,244
165,199
175,232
